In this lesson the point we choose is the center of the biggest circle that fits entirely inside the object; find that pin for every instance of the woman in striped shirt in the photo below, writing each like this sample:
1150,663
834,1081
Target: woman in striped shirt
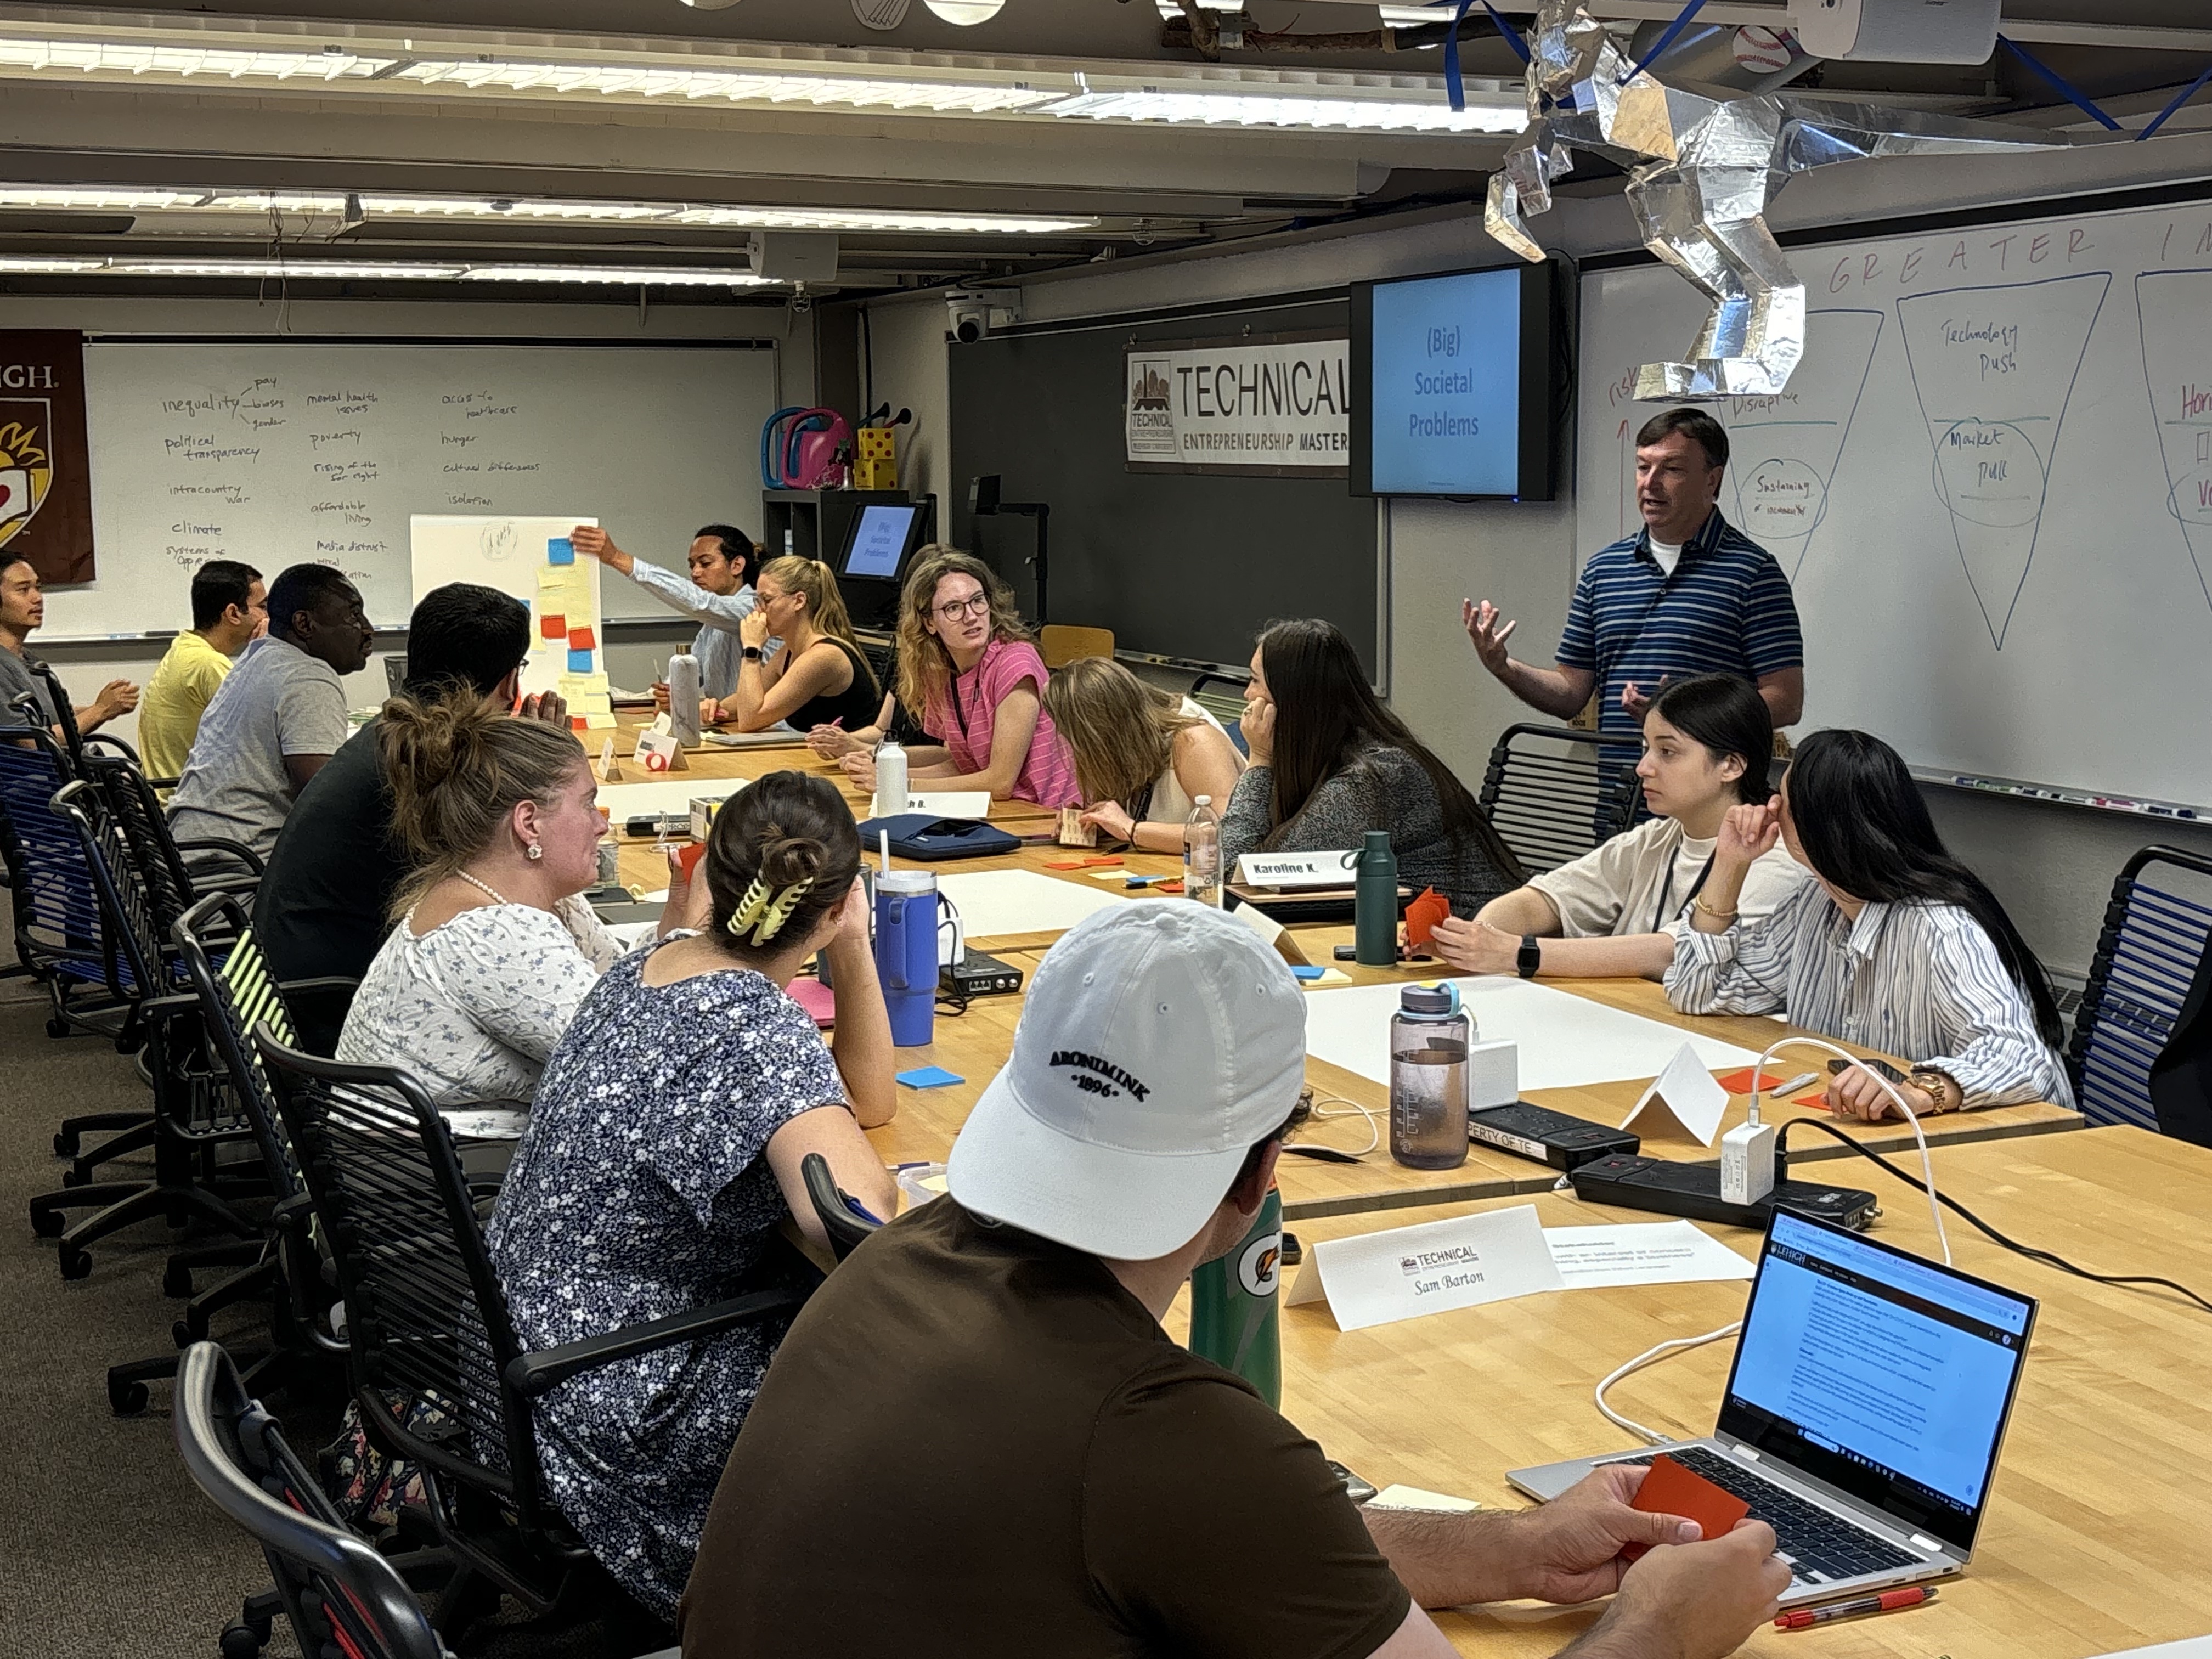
1893,945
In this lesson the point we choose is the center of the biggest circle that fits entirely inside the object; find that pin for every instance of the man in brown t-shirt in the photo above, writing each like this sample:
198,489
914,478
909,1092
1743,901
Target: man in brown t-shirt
977,1443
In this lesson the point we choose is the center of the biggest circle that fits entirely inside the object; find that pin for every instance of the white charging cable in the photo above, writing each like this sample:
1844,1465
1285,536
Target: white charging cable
1683,1344
1321,1109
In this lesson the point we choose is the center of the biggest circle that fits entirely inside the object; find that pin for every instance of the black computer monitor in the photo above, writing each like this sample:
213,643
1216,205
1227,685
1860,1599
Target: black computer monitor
872,568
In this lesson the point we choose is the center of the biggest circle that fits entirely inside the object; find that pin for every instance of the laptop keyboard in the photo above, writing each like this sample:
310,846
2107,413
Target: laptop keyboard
1820,1546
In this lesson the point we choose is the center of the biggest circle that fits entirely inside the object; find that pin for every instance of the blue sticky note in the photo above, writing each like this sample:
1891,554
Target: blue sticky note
929,1077
1298,972
580,662
559,549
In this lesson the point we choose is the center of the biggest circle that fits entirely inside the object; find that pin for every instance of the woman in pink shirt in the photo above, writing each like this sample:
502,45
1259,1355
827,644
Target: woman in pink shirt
966,663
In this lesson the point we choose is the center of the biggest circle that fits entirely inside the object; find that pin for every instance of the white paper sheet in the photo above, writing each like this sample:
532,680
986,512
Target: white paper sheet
1685,1098
2194,1647
1566,1041
635,800
1414,1498
994,902
1655,1252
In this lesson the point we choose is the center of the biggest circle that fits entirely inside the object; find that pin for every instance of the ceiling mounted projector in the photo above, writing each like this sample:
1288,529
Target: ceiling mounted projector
1900,31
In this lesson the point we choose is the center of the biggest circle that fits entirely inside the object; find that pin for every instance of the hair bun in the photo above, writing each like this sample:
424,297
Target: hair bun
785,859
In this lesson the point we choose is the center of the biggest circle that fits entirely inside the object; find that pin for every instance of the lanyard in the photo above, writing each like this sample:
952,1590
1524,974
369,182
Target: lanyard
959,712
1659,914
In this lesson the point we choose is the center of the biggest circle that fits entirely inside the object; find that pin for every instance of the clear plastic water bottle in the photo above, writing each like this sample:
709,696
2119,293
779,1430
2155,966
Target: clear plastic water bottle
890,778
1201,852
1429,1037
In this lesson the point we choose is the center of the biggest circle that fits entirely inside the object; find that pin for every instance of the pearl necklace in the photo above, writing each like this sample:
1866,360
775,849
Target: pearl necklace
485,887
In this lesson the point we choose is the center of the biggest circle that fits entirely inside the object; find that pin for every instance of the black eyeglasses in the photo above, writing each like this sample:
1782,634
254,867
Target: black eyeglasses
976,605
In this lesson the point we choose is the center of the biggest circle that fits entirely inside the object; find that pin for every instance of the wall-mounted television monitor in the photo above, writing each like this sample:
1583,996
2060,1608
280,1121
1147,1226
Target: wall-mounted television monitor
1453,385
882,542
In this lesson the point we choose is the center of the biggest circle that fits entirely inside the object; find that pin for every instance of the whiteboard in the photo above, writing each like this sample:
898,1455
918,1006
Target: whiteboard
1991,480
275,452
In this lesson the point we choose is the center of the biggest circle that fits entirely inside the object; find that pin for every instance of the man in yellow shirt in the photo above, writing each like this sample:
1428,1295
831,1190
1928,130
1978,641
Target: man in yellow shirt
230,609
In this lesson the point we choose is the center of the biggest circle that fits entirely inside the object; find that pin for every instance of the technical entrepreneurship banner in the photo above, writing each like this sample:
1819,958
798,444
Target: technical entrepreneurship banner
1273,405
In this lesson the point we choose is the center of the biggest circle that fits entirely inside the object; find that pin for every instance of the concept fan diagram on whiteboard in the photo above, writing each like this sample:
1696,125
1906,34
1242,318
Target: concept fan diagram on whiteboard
2177,353
1994,370
1783,450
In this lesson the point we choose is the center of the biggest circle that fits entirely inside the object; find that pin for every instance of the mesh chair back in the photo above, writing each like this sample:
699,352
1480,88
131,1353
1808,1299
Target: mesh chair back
57,917
426,1322
64,714
137,813
223,961
131,939
342,1596
2154,935
1223,698
1553,795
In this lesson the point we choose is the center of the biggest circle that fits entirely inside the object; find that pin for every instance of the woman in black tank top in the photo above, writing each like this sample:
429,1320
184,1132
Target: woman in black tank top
820,675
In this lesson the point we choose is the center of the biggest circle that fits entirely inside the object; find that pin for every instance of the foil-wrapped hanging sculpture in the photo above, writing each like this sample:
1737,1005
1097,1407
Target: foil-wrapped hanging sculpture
1701,170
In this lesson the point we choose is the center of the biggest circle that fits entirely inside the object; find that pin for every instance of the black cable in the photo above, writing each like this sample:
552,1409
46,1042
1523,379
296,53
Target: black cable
2045,1257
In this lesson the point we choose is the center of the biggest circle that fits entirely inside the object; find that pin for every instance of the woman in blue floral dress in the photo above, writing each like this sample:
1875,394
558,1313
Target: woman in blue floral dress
665,1147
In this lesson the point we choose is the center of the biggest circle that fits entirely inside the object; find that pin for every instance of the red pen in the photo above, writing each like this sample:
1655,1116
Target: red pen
1887,1602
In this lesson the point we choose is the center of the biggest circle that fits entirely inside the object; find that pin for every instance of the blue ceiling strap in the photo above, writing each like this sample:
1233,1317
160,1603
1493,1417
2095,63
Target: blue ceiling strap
1506,32
1453,89
2179,98
1659,47
2065,88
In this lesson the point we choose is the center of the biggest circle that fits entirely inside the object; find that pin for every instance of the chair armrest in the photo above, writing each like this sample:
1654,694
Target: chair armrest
532,1374
238,850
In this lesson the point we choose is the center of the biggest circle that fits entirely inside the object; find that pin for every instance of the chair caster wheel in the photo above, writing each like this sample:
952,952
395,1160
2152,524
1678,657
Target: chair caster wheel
126,1399
58,1027
176,1280
73,1177
240,1641
48,1224
65,1144
185,1332
75,1264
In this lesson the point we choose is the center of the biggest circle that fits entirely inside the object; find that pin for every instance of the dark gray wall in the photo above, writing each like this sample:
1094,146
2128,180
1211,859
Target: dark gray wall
1183,565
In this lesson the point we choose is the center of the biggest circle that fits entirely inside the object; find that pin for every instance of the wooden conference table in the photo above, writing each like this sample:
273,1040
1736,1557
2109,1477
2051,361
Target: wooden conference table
2095,1540
976,1044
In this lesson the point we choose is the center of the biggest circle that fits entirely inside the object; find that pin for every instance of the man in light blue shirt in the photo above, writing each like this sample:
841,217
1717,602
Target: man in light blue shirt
719,595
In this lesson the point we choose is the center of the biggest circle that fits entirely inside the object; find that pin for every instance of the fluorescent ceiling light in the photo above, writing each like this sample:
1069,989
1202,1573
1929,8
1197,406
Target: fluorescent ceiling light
280,268
627,276
35,264
147,58
966,12
118,199
734,86
1246,109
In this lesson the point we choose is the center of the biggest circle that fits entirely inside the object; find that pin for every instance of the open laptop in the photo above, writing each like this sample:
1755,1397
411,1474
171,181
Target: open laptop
1864,1413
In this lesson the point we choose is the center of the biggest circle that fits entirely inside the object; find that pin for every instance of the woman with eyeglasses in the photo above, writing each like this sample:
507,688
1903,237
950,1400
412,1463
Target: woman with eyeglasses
971,669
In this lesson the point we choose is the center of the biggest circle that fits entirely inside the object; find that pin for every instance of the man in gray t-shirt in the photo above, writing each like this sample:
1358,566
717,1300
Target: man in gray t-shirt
279,715
22,608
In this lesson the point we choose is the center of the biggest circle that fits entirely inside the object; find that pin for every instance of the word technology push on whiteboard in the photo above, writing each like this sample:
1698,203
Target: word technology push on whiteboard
1457,392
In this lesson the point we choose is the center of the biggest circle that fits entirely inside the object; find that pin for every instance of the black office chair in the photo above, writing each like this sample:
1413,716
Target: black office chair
847,1227
2157,925
342,1597
426,1324
1225,706
191,1121
283,1269
1554,794
173,882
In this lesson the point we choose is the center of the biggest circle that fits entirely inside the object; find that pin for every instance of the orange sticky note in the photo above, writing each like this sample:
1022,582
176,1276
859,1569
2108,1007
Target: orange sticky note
1065,864
1671,1489
578,723
1100,863
1423,915
553,627
687,858
582,639
1739,1083
1819,1101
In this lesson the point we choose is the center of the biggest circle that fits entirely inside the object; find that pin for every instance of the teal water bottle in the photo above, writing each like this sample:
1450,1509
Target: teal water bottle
1233,1305
1375,903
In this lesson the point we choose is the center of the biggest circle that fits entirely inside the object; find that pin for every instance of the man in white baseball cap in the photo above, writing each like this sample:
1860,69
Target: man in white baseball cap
978,1442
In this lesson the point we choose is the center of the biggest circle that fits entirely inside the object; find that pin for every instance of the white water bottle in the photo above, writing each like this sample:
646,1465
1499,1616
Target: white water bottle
684,698
890,778
1201,852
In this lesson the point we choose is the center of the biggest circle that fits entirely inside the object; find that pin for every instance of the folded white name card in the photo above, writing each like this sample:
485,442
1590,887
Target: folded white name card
1377,1278
946,804
1297,869
1683,1099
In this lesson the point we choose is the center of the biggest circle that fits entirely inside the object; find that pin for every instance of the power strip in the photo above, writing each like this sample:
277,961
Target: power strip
978,975
1694,1190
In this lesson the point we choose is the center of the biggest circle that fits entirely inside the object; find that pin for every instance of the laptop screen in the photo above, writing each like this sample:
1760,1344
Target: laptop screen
1882,1374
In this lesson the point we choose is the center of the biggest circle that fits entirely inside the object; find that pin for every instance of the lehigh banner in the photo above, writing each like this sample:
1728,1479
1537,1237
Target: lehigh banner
45,476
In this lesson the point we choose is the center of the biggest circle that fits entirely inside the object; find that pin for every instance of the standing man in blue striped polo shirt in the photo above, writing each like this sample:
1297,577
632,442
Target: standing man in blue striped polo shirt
1688,594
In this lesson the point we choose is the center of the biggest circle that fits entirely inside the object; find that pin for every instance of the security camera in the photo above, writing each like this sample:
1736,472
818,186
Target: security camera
973,312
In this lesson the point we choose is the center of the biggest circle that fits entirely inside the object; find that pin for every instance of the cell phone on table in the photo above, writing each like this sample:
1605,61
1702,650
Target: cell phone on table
1879,1068
1356,1490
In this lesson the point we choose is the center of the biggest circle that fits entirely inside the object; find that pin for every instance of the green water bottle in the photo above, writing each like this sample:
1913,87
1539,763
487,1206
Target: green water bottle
1233,1301
1375,903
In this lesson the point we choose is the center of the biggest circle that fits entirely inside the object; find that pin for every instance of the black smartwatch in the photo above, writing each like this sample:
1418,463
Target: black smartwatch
1531,958
752,653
